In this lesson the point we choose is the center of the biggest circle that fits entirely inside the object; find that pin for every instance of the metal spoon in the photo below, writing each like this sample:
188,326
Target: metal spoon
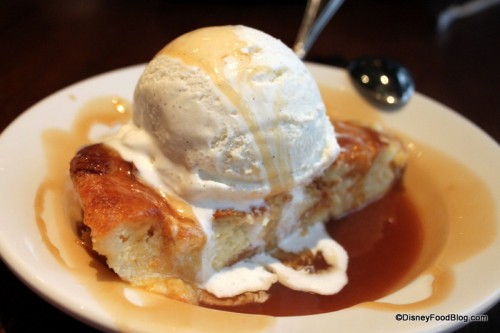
382,81
311,27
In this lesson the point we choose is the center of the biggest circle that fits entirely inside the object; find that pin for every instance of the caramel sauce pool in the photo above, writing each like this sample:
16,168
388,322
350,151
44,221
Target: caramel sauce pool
390,243
383,241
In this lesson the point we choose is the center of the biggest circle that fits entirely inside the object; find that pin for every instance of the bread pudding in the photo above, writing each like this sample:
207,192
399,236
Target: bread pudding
154,241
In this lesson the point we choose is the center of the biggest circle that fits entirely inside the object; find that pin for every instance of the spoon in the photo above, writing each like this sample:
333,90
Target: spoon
382,81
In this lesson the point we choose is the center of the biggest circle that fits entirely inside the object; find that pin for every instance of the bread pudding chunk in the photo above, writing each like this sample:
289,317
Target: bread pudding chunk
225,256
140,234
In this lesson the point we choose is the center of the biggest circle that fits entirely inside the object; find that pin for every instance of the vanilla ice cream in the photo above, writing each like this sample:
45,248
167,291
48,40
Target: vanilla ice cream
235,114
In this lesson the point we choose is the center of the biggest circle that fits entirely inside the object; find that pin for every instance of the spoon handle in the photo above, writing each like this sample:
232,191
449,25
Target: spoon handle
312,25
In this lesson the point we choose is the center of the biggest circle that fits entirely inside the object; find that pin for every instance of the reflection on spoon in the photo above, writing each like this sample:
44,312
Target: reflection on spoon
383,81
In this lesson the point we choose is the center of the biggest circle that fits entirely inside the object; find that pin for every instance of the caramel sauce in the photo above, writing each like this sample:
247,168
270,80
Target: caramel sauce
383,241
425,226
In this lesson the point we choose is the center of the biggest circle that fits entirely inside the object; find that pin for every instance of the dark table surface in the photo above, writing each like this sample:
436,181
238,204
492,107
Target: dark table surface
47,45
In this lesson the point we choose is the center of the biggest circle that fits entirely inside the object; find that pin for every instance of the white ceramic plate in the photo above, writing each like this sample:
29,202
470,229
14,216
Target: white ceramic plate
22,168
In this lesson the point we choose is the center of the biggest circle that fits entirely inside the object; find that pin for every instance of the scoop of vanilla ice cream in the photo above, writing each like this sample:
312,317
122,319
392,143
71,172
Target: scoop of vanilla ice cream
235,114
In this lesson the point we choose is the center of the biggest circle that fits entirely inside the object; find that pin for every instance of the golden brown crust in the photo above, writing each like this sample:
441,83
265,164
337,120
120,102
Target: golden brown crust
359,146
369,164
129,221
110,194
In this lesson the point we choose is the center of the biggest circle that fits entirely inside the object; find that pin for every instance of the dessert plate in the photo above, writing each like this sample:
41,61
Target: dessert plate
431,131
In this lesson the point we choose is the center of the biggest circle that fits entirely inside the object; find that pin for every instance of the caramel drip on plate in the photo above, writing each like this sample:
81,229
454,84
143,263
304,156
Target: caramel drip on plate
60,146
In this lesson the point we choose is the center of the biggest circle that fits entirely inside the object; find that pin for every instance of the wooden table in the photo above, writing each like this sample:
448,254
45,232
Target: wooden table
47,45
